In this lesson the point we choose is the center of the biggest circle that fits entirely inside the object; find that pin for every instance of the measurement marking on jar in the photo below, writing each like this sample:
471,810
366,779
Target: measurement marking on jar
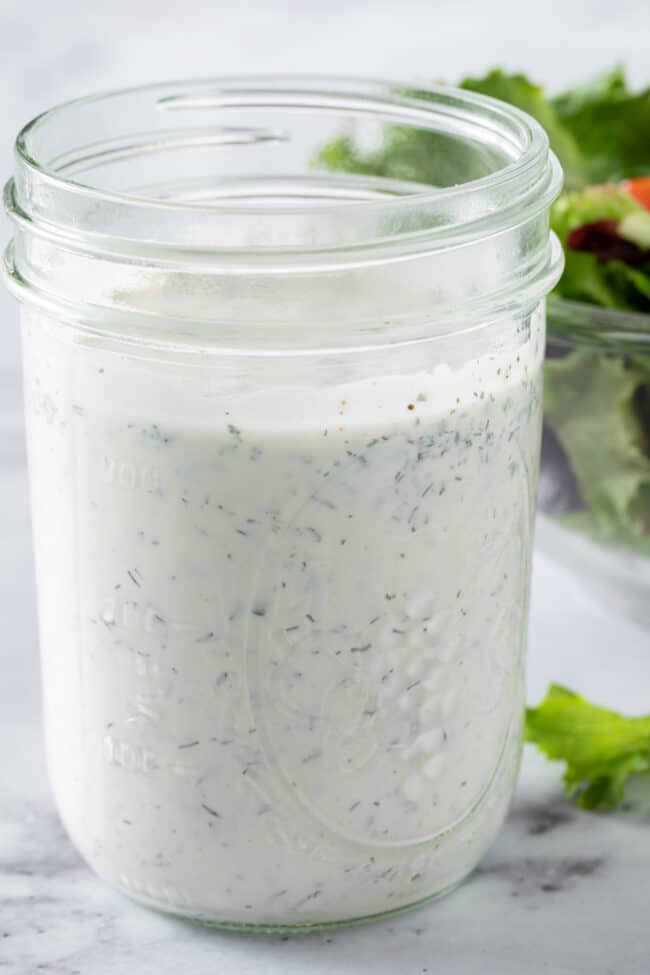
132,758
188,771
166,893
129,615
130,476
144,666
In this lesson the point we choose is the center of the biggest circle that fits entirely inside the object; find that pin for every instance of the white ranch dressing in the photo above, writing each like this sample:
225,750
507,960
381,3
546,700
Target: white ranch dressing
282,631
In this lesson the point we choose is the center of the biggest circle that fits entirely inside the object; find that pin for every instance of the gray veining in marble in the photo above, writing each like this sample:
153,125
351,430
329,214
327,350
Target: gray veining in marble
562,891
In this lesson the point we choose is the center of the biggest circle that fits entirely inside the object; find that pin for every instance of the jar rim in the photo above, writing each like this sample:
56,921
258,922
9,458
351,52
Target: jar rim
47,198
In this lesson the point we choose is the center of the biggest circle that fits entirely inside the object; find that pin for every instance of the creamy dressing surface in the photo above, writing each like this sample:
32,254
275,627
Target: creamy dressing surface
282,630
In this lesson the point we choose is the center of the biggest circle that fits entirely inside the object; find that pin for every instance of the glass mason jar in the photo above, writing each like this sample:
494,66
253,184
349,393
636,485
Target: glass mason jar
283,423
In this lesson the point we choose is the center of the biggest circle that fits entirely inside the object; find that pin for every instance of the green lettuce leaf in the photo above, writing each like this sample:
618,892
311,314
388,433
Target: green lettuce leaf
595,203
636,227
610,125
600,132
601,748
598,408
518,90
412,155
630,285
439,160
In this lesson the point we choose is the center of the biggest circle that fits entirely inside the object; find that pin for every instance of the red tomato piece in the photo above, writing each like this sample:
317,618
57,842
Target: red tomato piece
639,188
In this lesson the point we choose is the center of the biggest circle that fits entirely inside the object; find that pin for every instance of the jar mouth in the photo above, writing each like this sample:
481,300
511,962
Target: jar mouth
242,174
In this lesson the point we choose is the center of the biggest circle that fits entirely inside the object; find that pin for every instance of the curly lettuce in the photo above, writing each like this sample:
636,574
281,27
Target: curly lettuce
600,131
611,126
601,749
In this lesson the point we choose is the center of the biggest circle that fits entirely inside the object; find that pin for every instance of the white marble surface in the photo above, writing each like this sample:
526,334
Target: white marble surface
561,891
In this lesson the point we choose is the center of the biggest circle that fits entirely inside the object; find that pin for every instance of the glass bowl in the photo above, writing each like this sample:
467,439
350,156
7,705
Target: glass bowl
594,489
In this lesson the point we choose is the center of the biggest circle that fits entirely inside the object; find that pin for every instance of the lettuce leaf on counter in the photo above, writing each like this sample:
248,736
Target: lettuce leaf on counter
595,406
601,748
